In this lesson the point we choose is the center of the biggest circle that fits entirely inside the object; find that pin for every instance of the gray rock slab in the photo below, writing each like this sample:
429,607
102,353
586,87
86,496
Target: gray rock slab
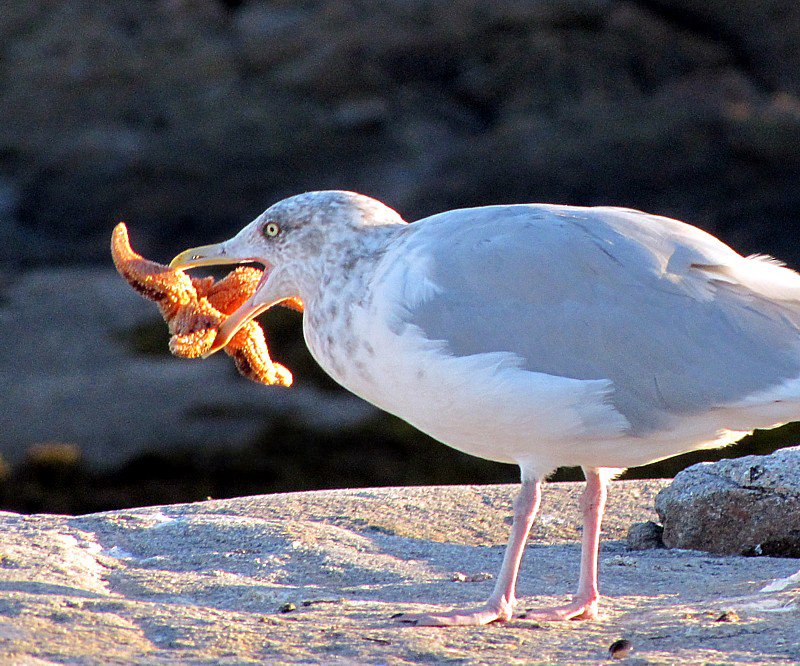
68,375
742,506
205,583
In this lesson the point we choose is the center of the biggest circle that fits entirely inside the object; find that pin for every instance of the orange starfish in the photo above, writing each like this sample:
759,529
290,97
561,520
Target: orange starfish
195,307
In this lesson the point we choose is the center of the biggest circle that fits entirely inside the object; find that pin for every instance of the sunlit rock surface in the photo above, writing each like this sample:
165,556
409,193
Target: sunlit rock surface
317,577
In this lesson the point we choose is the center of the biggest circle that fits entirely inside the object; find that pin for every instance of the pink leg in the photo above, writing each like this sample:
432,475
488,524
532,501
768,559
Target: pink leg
584,604
500,605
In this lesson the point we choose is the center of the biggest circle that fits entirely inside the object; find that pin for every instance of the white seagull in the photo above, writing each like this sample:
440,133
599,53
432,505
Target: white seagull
541,335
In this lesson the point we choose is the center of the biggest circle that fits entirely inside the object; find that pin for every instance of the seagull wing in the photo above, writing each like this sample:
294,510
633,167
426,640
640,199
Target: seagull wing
678,321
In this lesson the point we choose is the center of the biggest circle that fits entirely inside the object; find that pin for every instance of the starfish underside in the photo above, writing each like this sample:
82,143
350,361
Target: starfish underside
194,308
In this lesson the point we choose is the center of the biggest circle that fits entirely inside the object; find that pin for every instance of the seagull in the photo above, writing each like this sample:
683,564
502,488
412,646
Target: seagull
536,334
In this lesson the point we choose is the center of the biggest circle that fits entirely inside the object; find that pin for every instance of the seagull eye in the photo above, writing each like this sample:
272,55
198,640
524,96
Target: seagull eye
271,230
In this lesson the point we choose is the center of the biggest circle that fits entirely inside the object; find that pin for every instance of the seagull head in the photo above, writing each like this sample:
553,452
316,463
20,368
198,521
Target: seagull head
289,239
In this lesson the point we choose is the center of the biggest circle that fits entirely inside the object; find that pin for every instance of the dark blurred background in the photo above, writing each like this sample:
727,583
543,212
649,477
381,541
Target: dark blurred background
186,118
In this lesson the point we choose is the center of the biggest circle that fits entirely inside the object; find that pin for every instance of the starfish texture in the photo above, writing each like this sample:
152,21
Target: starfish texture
194,308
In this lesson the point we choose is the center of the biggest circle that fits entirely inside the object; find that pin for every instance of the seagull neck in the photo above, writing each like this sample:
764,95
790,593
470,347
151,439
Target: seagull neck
344,262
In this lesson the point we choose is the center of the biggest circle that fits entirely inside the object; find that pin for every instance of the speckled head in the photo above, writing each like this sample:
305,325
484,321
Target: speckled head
292,239
303,226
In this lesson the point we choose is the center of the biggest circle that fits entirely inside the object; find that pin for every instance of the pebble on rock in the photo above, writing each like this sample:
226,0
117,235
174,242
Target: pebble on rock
620,649
645,536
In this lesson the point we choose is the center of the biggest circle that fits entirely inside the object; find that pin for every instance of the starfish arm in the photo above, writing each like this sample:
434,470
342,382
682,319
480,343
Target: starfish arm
201,285
194,328
234,289
248,348
194,308
169,289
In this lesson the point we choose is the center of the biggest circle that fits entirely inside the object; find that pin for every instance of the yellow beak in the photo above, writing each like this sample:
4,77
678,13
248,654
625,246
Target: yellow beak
205,255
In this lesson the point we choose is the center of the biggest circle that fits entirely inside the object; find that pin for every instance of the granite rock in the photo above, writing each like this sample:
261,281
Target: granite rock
741,506
313,578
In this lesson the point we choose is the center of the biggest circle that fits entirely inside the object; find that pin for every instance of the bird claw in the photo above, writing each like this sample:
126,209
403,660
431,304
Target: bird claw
577,609
485,614
194,308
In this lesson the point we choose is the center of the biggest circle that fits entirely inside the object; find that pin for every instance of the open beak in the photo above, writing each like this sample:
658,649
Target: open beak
213,255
